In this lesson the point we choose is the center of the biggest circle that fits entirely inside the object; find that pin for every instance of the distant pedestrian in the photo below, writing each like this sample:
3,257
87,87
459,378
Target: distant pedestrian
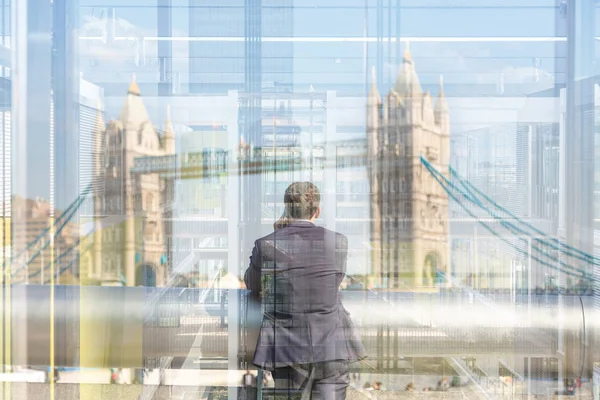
248,391
114,375
443,384
248,380
268,380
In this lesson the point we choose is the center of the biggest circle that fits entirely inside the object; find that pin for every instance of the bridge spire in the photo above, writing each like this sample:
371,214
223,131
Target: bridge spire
243,148
407,55
133,87
441,107
374,93
98,137
373,115
100,124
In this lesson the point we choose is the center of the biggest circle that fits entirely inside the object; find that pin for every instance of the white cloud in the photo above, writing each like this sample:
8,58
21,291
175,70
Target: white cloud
120,54
94,26
433,59
526,75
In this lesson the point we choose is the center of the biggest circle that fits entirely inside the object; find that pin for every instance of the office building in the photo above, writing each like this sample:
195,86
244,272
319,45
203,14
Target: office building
239,56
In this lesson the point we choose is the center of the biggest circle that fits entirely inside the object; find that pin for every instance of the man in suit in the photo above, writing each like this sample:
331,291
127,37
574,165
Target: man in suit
248,380
306,338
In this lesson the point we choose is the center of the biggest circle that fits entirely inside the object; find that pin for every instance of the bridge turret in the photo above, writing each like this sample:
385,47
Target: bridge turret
409,231
408,90
133,197
138,130
99,142
442,119
99,133
407,82
373,116
374,126
169,135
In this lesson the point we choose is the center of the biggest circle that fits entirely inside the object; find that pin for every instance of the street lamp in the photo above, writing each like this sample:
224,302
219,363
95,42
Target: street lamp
41,251
311,136
243,150
26,267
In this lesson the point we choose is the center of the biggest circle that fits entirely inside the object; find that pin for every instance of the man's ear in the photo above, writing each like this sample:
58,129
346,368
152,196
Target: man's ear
317,213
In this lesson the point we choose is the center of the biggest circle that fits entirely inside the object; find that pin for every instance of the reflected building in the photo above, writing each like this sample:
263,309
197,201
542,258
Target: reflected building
5,181
38,263
90,109
409,208
133,238
237,58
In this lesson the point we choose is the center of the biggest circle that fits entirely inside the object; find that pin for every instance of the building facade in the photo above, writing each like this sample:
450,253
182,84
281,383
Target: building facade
232,52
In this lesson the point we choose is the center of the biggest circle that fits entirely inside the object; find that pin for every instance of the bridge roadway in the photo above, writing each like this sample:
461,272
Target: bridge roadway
399,325
220,163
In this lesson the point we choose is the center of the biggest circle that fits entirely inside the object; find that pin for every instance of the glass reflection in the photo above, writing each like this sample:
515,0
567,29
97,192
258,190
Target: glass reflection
146,147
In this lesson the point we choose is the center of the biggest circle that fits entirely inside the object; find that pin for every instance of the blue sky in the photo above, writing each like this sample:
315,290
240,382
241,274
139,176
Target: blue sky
460,63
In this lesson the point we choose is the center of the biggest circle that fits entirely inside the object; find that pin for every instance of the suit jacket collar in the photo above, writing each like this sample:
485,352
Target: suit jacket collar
301,223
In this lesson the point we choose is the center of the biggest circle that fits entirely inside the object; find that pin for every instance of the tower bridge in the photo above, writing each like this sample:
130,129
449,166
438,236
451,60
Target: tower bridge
144,198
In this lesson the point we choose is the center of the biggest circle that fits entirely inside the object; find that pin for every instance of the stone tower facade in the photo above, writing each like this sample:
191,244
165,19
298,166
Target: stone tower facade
409,209
130,227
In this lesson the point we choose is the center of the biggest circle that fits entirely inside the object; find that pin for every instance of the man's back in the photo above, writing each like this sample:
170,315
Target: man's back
298,269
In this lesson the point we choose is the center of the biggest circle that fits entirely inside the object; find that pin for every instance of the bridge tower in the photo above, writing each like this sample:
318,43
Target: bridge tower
409,209
138,241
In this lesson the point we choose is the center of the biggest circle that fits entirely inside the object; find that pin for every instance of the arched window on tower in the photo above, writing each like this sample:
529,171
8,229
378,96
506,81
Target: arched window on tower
140,134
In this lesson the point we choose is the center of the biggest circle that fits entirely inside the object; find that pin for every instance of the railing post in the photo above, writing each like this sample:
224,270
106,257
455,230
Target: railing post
259,384
233,332
223,302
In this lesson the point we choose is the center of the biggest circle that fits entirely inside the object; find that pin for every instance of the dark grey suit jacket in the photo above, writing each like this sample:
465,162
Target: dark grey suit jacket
298,270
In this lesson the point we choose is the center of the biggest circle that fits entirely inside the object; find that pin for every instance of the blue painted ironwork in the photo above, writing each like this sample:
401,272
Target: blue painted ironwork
447,185
67,215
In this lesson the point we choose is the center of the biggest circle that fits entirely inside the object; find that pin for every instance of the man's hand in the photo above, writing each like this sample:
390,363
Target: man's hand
252,275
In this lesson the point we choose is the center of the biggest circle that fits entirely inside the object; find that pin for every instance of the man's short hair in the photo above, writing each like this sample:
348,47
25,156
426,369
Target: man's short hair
302,200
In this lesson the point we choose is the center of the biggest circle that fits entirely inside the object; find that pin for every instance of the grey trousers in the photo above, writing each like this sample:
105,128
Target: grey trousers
325,380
